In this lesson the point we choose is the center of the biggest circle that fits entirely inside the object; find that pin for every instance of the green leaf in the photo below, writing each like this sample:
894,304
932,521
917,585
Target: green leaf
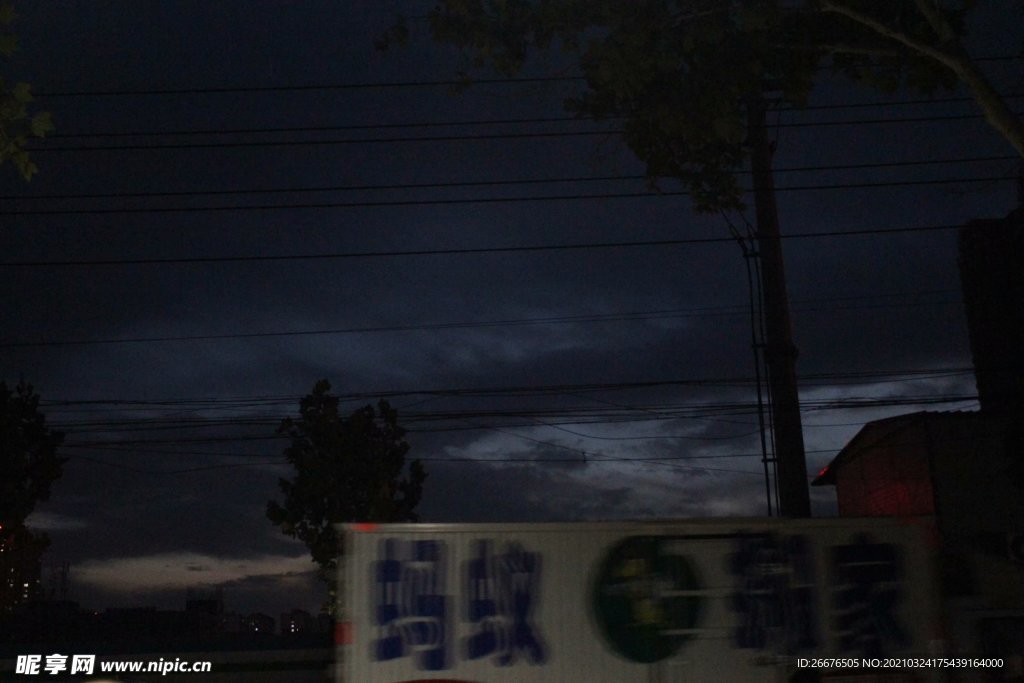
24,164
41,124
8,44
22,92
7,13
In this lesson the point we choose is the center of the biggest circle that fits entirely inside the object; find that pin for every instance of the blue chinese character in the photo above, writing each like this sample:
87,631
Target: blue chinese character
502,590
775,595
866,594
410,603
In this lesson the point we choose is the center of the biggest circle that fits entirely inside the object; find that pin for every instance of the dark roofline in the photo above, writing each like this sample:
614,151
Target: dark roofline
890,426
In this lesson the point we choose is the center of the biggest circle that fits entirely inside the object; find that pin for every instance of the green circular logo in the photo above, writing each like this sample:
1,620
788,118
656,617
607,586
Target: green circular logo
646,602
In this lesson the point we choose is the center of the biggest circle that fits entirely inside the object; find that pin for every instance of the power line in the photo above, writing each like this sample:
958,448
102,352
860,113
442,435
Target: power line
591,458
264,130
501,390
131,444
471,137
325,128
671,314
233,89
636,315
548,417
565,414
319,142
366,254
281,404
540,389
231,454
465,251
479,200
466,417
588,456
594,457
488,183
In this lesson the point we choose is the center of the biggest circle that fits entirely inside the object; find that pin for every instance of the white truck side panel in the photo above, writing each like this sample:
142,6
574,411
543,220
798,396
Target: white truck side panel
695,600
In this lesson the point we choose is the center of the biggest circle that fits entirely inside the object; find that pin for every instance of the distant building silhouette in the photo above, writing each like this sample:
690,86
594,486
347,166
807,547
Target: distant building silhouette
203,611
257,622
208,602
20,569
231,623
297,622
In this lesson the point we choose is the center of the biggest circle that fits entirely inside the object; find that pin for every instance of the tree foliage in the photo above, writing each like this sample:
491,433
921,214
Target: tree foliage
28,457
18,123
347,469
680,72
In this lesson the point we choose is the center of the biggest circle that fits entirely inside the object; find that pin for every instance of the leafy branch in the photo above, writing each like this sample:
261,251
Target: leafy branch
18,123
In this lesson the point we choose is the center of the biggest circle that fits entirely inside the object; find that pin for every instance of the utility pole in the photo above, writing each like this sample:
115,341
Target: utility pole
779,352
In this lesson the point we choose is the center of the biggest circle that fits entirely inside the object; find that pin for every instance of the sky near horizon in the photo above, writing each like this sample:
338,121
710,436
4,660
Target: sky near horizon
593,382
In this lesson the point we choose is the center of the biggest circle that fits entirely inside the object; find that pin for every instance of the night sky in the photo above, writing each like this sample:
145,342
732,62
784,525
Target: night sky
632,366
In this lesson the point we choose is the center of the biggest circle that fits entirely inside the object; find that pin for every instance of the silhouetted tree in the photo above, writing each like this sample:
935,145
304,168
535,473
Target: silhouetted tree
28,454
28,466
680,73
347,469
17,122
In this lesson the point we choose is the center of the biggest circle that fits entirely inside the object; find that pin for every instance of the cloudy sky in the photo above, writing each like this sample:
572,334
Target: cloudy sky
590,382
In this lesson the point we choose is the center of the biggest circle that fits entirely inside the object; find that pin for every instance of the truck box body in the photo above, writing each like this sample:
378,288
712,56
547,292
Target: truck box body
618,602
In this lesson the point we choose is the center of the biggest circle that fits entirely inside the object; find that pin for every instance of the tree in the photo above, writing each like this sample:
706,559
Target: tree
347,469
932,33
29,464
690,80
28,455
17,122
680,73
